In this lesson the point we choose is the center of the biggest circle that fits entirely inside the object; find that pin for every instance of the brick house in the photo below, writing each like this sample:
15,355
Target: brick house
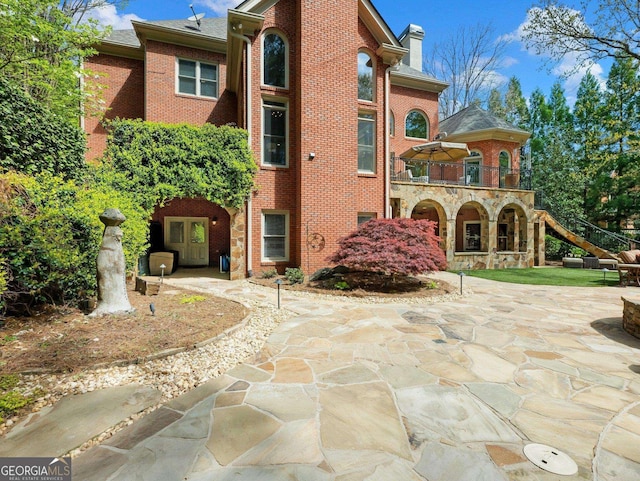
331,102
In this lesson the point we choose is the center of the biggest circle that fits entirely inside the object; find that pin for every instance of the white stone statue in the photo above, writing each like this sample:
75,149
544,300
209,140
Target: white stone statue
112,281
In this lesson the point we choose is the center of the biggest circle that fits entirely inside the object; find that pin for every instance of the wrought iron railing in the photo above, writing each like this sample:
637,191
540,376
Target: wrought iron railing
458,173
605,239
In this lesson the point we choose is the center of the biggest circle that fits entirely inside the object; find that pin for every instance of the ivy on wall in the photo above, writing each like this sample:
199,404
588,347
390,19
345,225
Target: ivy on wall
159,162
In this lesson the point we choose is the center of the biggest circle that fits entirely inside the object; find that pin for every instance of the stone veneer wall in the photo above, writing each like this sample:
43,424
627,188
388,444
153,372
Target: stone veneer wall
449,200
631,317
238,262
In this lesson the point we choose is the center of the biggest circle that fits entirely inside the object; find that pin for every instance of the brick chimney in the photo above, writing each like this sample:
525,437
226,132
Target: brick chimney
412,38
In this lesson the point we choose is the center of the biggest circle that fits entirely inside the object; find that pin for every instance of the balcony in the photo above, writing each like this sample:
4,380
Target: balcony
431,172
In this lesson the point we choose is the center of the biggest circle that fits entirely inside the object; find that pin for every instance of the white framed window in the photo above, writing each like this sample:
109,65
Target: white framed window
275,235
275,124
366,143
416,125
197,78
365,77
365,217
473,167
275,58
392,124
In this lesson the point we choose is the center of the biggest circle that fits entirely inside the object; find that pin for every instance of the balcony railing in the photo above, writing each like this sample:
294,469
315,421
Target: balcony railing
458,173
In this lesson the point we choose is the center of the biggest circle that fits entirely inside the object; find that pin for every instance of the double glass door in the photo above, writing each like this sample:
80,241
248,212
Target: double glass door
190,237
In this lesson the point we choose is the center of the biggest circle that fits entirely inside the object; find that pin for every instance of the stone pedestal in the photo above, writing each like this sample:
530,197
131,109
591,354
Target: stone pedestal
631,317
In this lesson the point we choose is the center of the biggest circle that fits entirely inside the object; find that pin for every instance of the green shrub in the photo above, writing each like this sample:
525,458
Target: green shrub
341,286
34,140
3,283
12,401
50,233
8,381
269,274
294,275
556,249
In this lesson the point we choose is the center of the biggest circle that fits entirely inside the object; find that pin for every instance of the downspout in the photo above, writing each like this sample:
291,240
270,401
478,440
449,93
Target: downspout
249,242
387,141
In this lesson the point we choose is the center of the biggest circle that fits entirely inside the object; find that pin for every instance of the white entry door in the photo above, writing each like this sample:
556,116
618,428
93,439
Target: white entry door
190,237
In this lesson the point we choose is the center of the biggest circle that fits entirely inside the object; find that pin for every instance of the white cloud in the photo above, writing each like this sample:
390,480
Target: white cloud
108,16
508,61
219,7
572,70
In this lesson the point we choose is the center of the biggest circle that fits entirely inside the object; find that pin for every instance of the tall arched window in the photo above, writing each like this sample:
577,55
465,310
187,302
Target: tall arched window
416,125
274,60
392,124
365,77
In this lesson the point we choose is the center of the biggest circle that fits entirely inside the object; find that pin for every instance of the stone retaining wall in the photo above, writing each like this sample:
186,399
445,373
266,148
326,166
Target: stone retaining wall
631,317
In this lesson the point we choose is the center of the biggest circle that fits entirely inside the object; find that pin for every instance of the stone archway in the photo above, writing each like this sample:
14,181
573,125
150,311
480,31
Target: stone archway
512,229
472,228
432,210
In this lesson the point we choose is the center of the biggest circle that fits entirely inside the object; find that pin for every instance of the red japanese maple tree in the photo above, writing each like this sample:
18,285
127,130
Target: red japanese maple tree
392,247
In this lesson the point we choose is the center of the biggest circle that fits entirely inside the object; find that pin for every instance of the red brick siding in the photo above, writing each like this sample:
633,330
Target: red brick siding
277,187
403,100
219,235
491,149
123,94
163,104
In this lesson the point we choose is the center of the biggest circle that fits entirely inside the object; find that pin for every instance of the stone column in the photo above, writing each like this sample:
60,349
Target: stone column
237,223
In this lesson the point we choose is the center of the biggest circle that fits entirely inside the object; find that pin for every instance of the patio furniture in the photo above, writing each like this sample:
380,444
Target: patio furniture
405,175
572,262
629,273
629,268
589,262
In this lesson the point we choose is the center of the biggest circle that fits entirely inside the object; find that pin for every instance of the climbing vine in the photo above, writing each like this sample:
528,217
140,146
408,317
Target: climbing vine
159,162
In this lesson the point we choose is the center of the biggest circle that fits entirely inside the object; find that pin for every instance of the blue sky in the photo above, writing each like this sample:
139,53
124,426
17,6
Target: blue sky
438,21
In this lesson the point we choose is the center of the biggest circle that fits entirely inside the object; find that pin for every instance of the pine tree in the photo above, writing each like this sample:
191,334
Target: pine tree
589,135
620,174
516,110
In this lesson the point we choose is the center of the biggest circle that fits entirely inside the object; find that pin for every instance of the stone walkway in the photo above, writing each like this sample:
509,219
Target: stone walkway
438,392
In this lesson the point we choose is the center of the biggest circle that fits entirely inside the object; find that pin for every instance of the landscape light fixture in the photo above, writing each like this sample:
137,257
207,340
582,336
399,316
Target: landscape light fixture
604,276
461,274
163,267
278,283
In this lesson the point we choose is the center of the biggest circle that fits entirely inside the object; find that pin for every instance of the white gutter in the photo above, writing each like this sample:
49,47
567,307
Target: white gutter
249,240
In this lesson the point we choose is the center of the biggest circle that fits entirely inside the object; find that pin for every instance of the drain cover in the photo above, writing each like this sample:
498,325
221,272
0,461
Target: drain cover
550,459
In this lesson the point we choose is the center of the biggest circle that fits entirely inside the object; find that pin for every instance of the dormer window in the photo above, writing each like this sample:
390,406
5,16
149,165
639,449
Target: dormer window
365,77
416,125
274,60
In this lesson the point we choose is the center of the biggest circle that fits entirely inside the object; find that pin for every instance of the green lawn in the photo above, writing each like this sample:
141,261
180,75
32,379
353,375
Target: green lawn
550,276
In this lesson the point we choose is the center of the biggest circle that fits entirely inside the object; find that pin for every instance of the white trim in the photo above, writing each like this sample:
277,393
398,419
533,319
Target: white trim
426,119
283,37
373,75
285,109
197,78
287,235
374,121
